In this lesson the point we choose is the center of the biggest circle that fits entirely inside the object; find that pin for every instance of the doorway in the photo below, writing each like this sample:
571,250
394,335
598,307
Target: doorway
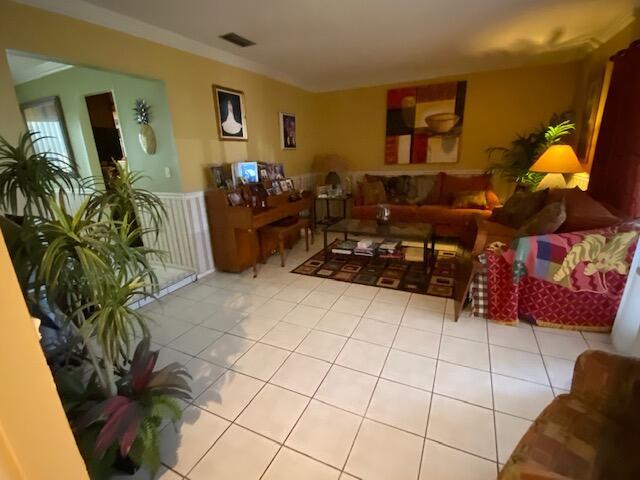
106,133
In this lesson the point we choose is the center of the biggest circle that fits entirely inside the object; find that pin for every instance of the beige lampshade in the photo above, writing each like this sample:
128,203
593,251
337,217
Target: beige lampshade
557,159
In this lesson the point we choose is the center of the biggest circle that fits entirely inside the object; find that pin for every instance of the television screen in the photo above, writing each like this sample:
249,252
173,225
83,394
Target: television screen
247,172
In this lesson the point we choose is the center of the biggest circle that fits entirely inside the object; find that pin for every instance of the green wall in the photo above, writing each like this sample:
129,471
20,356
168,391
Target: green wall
73,84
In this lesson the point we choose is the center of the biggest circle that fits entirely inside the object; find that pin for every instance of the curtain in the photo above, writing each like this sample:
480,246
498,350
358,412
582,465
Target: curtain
615,174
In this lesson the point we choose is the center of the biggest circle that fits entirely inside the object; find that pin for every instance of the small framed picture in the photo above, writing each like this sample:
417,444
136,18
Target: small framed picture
290,184
235,198
230,112
287,131
284,186
263,171
276,188
217,175
278,169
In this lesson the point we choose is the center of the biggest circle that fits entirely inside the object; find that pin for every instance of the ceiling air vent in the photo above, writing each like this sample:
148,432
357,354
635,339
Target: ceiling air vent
237,39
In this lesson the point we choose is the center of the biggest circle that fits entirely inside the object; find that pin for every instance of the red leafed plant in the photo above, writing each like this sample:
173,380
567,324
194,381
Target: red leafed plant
126,424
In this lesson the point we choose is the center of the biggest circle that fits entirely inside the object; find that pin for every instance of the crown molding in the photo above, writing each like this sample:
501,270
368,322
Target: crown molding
103,17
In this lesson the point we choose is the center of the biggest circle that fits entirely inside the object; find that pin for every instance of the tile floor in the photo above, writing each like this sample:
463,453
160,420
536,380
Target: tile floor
297,377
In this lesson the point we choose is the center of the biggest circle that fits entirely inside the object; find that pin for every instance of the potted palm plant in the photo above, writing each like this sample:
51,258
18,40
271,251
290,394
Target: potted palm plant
86,268
515,161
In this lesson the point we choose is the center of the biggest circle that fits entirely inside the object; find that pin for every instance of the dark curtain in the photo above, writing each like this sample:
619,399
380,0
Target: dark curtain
615,174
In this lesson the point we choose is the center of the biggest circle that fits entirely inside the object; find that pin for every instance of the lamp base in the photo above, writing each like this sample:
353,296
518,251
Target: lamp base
552,180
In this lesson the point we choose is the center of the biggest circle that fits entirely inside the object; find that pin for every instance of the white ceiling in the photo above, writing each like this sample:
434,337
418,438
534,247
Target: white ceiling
333,44
25,68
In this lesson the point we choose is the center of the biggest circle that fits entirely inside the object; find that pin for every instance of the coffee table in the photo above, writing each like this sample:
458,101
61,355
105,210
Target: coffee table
415,232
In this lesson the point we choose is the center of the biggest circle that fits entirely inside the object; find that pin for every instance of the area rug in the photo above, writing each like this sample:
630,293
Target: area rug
387,273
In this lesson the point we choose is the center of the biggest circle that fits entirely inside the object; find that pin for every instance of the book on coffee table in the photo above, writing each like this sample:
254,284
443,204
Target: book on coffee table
344,248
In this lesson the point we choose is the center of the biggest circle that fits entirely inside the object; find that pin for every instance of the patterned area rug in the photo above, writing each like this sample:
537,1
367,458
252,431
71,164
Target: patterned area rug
386,273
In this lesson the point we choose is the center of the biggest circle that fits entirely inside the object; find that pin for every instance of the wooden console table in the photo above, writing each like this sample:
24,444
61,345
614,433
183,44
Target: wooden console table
234,230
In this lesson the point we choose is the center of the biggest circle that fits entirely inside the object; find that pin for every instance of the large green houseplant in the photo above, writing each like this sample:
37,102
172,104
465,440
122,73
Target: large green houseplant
514,162
86,268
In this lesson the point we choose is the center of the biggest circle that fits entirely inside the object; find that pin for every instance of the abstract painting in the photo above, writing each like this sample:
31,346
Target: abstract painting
424,123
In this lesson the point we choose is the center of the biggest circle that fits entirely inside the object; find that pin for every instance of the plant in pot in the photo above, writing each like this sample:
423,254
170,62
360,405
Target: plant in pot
515,161
86,269
123,429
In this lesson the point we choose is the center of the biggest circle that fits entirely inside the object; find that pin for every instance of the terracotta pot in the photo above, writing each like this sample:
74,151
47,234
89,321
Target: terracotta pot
147,138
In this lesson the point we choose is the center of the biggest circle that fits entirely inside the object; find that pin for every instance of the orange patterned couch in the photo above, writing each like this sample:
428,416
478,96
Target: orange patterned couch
590,433
435,207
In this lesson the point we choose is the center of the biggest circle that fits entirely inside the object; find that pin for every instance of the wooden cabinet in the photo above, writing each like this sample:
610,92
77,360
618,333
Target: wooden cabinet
234,230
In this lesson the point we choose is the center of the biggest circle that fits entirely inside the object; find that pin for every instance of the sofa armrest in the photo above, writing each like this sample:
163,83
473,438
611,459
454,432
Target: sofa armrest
489,232
608,383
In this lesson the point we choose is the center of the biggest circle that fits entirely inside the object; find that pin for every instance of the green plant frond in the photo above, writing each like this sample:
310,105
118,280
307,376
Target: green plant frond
37,176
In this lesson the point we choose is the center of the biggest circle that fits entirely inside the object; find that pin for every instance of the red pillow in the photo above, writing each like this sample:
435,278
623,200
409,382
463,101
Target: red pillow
583,211
452,184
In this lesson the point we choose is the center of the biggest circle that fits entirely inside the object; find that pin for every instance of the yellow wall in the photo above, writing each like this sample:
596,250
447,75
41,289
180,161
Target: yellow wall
188,79
36,442
499,105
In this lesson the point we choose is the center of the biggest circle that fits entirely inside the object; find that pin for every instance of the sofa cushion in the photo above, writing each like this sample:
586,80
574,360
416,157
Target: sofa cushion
583,212
373,193
569,439
519,208
547,220
470,199
441,214
451,184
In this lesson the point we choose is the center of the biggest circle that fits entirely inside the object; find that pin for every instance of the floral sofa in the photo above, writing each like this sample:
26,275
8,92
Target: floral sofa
590,433
427,198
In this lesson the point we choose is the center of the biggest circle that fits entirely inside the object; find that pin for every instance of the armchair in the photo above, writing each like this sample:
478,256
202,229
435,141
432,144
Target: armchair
589,433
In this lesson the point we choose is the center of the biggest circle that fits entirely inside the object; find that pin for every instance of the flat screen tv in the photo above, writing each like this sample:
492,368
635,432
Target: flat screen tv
246,172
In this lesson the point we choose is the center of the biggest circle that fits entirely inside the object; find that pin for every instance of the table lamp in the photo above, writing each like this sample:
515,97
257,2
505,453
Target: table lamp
556,161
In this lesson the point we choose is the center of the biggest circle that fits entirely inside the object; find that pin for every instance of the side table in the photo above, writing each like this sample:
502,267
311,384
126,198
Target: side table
328,219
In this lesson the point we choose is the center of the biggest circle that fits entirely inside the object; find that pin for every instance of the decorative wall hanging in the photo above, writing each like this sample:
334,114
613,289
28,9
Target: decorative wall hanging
146,135
232,121
287,131
424,123
592,109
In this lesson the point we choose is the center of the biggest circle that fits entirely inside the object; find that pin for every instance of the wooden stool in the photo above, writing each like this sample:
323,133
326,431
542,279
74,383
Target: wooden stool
278,233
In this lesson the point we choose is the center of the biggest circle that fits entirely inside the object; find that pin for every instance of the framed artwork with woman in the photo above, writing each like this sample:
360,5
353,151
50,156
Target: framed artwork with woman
230,110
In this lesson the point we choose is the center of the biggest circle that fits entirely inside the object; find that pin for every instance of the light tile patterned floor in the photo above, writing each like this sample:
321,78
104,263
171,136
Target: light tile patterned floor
301,378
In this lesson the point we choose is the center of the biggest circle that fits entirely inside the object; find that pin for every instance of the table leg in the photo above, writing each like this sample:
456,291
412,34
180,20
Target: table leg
327,215
344,208
426,254
326,253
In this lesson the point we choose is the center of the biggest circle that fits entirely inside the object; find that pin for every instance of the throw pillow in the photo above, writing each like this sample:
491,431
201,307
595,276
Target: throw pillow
519,208
451,184
583,211
374,193
547,220
492,199
433,197
471,199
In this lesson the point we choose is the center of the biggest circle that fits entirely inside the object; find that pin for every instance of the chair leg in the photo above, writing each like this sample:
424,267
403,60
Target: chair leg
281,246
306,238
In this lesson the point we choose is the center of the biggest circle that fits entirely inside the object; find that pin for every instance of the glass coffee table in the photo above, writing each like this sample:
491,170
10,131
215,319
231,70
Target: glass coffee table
414,232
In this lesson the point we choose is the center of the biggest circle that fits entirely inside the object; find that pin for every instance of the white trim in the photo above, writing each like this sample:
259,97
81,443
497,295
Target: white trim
88,12
394,173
